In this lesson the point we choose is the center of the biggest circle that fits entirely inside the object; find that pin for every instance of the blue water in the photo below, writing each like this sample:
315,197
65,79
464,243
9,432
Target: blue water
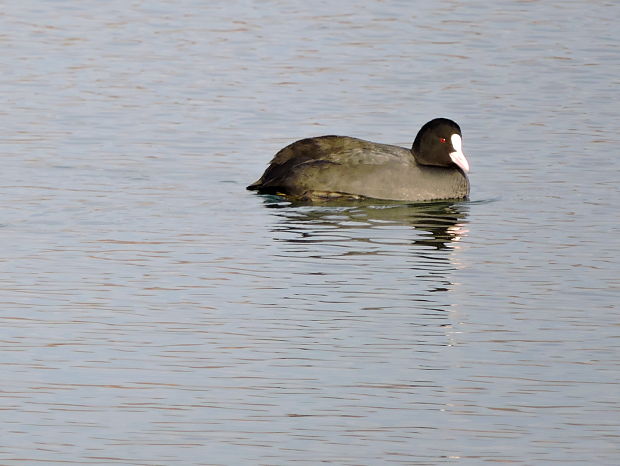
154,312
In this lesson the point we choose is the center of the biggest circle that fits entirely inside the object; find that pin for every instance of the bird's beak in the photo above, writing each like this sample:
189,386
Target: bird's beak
457,156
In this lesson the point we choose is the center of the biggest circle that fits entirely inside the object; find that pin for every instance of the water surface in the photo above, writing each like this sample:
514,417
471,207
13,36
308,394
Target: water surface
155,313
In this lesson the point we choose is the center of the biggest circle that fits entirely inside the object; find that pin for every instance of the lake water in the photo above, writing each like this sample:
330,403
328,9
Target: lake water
154,312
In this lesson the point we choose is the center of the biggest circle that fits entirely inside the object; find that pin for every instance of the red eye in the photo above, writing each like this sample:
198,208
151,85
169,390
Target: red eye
442,140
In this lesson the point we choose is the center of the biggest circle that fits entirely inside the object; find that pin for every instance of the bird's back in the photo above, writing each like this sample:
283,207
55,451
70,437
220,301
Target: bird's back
330,166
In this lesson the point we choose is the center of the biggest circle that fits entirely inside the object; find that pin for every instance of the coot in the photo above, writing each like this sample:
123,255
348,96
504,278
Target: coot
327,167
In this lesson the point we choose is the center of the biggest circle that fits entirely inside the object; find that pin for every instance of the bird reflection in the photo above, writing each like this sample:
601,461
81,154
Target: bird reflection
392,240
437,225
372,255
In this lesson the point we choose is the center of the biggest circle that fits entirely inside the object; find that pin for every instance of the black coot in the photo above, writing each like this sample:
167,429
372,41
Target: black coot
334,166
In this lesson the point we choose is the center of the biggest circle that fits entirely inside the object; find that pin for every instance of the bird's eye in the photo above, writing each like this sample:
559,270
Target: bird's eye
442,140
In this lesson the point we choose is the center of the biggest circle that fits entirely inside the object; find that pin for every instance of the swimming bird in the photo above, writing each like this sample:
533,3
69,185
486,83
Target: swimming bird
328,167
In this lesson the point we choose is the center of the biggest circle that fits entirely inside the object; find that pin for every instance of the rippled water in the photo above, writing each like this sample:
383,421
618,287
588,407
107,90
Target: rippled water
154,312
